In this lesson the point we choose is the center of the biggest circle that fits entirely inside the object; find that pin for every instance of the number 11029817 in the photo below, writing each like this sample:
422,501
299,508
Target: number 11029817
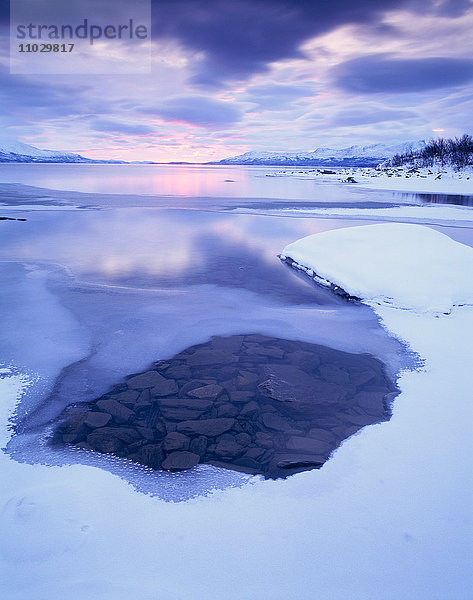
45,47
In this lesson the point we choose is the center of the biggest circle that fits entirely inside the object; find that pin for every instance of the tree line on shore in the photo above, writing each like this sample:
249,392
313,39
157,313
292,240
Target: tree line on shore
456,153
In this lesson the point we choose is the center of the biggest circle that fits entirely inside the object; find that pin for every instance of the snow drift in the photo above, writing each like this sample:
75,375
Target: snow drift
402,265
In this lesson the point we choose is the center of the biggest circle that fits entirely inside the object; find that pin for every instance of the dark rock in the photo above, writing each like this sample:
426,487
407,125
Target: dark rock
152,415
250,409
241,397
207,427
161,365
198,445
168,387
357,419
243,439
150,455
270,351
334,374
246,378
143,400
210,357
132,448
309,445
180,414
287,383
175,441
180,461
197,404
227,410
322,435
255,453
267,456
128,397
225,372
258,338
178,372
148,379
275,421
207,391
228,449
125,434
371,402
104,441
190,385
225,436
299,461
362,377
264,440
146,432
228,344
117,410
96,419
304,359
249,463
71,438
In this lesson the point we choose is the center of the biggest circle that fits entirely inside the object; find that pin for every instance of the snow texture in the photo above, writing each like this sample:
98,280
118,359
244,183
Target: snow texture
403,265
325,155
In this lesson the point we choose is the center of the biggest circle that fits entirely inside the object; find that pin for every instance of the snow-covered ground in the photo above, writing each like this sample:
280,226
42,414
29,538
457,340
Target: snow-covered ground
437,180
406,266
387,518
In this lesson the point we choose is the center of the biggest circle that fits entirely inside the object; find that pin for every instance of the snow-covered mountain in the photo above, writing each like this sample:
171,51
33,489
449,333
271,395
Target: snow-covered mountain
351,156
14,151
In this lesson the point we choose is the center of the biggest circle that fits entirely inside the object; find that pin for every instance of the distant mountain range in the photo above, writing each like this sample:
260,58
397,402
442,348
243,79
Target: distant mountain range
353,156
12,151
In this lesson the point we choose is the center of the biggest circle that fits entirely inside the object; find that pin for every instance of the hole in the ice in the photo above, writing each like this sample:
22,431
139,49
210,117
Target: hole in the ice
250,403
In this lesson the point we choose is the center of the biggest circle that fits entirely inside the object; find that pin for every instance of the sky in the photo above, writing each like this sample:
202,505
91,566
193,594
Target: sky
231,76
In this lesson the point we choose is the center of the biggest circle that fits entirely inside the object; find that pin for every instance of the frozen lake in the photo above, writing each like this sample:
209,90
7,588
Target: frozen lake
90,295
103,291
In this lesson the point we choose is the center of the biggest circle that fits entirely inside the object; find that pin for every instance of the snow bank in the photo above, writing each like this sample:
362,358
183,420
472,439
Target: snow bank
402,265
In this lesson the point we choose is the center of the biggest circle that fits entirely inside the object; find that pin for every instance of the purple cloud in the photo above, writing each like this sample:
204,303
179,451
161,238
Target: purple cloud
197,110
364,115
111,126
380,74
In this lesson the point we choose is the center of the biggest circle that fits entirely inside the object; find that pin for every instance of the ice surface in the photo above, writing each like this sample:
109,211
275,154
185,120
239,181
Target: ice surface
407,266
430,213
387,518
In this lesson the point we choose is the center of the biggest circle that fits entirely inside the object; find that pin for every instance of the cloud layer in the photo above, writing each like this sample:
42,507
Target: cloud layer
236,75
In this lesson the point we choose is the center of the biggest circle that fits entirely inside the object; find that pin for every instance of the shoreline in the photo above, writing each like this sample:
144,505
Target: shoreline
436,180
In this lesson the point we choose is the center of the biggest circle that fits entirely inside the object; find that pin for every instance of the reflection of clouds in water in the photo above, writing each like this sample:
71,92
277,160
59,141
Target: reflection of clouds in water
141,247
113,243
265,234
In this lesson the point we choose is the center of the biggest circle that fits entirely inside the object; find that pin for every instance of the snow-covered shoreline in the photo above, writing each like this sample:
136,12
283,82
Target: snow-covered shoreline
435,180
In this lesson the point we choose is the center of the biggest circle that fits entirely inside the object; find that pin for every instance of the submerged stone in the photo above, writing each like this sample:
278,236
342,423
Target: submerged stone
249,402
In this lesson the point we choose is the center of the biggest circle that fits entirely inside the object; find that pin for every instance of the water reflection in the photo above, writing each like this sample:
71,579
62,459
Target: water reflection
178,181
146,248
457,199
